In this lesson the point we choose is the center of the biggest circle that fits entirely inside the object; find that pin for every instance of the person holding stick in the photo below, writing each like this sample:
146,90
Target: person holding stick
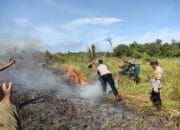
9,117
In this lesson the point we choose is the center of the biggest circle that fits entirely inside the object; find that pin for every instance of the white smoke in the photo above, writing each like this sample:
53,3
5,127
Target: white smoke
28,71
91,91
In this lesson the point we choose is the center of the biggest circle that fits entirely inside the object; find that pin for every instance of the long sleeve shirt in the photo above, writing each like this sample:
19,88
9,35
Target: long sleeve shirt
9,117
156,79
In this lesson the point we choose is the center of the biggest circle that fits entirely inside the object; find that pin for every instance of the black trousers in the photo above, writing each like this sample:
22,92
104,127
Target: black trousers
155,98
136,79
108,79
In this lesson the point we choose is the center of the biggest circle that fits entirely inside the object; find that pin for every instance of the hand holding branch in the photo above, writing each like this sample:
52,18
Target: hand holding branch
11,62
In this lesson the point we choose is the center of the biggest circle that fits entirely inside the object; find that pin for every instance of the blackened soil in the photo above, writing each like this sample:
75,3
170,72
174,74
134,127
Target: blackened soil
47,111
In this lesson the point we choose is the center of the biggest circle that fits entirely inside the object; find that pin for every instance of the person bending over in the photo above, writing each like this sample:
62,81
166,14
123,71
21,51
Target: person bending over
106,77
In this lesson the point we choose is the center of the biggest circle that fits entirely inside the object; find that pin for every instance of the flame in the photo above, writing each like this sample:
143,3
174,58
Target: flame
75,77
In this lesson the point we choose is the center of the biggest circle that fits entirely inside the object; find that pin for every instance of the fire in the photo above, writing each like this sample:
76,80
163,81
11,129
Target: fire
75,77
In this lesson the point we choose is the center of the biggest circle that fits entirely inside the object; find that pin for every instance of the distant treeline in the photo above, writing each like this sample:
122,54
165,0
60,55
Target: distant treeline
154,49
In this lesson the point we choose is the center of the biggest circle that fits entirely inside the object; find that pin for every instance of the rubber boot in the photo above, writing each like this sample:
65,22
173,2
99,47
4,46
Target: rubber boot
118,98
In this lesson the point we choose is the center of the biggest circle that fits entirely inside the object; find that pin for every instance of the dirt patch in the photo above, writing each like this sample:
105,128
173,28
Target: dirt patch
44,110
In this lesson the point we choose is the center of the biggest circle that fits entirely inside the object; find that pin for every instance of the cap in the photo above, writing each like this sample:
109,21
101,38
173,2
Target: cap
154,62
100,61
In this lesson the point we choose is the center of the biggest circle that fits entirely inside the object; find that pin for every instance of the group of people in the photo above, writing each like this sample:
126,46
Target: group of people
105,77
9,117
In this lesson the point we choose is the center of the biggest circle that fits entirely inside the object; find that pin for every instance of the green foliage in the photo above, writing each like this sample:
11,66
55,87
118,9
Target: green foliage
135,96
154,49
122,50
147,59
175,93
137,55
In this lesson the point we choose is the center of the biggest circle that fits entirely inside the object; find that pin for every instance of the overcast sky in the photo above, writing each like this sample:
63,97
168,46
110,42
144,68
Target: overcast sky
72,25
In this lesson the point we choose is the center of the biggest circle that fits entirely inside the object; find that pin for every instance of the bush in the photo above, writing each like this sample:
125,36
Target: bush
122,50
153,49
137,55
147,59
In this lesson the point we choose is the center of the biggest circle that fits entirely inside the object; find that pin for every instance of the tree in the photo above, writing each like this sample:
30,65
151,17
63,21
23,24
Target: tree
166,50
122,50
158,41
154,49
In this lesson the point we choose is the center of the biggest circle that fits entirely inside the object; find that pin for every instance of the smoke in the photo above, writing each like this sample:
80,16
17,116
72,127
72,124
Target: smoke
29,73
90,91
14,45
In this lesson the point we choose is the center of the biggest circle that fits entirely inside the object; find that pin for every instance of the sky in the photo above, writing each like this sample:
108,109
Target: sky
73,25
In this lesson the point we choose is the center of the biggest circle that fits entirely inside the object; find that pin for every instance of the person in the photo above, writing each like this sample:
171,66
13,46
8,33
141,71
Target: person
125,68
5,66
9,117
132,70
8,112
135,70
156,83
106,77
45,66
90,64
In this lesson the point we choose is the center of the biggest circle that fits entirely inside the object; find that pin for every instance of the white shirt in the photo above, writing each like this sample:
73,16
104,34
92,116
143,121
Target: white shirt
103,69
156,79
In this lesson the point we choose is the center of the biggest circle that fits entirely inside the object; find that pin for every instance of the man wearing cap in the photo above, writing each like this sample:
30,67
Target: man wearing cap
156,83
106,77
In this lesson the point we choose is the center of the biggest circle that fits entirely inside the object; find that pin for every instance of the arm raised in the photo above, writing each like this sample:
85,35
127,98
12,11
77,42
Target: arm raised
11,62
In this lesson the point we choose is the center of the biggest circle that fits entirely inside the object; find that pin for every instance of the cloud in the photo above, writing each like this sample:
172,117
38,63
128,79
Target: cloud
92,21
55,38
164,34
21,21
51,37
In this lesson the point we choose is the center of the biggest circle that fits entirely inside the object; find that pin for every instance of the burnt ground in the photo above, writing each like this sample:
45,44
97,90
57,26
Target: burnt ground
47,111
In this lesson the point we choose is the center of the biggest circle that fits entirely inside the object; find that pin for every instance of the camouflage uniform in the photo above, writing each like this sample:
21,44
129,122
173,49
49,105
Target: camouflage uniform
9,118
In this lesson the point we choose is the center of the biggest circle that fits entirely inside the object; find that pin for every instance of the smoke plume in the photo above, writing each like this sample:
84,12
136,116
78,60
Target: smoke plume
29,73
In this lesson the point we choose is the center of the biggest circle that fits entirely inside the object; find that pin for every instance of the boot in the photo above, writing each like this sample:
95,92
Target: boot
118,98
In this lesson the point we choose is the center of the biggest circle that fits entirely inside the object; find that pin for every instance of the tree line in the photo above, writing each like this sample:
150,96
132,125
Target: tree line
153,49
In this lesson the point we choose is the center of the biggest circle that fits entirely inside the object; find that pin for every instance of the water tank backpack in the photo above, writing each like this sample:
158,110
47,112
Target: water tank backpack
137,68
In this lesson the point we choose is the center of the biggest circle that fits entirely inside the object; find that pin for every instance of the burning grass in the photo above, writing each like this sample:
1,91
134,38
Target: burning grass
75,77
137,96
52,111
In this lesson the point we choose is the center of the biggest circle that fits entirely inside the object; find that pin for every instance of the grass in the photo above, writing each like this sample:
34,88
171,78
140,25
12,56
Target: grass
137,96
